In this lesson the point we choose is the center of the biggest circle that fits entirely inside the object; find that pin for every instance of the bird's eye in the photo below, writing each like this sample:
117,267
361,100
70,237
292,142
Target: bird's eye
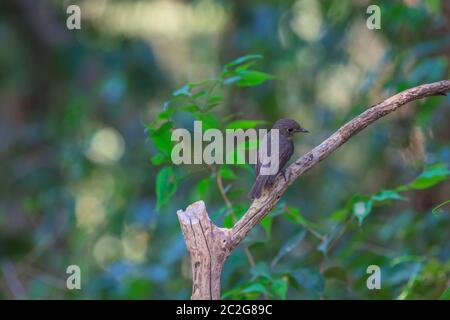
290,130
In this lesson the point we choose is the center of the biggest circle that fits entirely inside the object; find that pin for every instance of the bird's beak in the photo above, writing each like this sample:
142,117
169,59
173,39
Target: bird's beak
302,130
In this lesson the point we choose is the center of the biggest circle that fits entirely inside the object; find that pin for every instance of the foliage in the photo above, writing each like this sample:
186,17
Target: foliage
80,184
266,279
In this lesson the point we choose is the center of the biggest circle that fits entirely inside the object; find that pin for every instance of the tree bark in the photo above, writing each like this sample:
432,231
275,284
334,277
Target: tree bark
209,245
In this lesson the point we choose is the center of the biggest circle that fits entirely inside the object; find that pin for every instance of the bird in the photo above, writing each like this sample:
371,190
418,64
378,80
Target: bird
286,129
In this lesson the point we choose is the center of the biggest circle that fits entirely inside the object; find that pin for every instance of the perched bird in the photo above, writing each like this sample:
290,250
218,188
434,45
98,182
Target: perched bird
286,129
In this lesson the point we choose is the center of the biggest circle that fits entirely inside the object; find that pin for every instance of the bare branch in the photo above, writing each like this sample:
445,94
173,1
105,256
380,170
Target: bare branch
262,206
210,245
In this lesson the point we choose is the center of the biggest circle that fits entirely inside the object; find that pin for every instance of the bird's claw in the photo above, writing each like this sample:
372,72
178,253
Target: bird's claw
283,173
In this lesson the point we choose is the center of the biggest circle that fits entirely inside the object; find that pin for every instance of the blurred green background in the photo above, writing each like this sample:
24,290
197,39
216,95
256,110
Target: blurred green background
78,187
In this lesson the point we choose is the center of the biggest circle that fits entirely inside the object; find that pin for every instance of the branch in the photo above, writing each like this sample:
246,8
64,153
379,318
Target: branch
205,242
210,245
262,206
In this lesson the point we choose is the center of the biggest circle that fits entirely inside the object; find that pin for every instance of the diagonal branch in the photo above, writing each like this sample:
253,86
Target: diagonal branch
262,206
210,245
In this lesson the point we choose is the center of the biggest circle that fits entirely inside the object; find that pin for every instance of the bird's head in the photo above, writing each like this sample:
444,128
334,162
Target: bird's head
288,127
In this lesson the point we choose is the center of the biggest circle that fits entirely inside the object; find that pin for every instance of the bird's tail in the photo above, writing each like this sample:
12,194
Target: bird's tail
258,187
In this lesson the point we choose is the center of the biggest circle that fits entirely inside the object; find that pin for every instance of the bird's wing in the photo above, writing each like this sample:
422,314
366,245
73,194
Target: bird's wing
286,153
265,158
262,153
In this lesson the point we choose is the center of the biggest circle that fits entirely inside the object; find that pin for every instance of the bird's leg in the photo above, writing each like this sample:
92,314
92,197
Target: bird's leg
283,173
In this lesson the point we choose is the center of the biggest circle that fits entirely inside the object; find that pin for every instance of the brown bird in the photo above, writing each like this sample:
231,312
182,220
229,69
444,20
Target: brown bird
286,129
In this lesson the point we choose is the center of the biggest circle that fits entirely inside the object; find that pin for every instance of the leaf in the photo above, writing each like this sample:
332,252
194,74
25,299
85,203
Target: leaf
245,66
294,215
309,279
261,270
232,79
191,108
280,286
340,215
238,211
254,287
166,186
361,207
199,94
228,221
200,83
161,137
158,159
226,173
387,195
431,176
252,78
445,295
242,60
235,156
289,246
183,91
245,124
167,112
248,145
202,187
406,258
209,121
266,223
213,101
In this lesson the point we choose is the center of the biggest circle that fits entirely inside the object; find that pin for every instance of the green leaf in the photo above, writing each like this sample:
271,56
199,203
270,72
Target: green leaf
289,246
252,78
209,121
200,83
235,156
166,186
387,195
254,287
245,124
445,295
191,108
261,270
161,137
213,101
293,214
238,211
232,79
266,223
280,286
199,94
309,279
158,159
340,215
361,207
242,60
183,91
431,176
245,66
228,221
248,145
226,173
203,186
167,112
405,258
